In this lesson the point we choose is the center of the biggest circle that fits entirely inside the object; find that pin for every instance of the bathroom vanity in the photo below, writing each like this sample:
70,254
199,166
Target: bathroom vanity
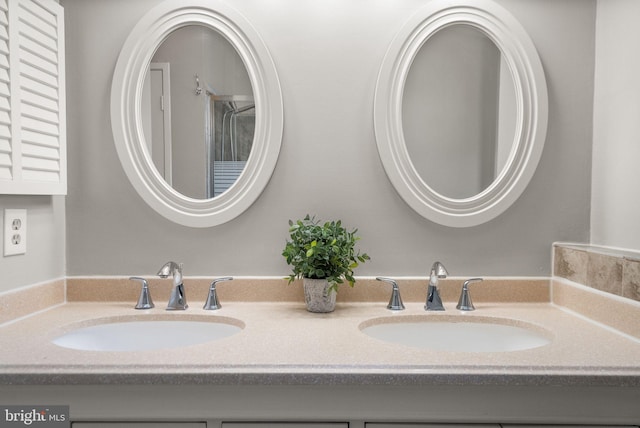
283,365
287,365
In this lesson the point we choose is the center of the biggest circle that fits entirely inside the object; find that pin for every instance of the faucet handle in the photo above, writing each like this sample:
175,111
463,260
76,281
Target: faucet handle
465,303
395,302
212,302
144,301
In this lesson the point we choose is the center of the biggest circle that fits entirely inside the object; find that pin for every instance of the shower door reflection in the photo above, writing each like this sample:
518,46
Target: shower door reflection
230,130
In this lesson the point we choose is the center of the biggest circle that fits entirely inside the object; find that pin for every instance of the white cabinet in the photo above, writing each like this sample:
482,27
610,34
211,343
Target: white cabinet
149,424
319,425
138,424
32,98
336,406
284,425
567,426
426,425
419,425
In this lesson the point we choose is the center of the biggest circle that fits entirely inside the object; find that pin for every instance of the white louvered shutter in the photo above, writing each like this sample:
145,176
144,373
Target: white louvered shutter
6,162
32,98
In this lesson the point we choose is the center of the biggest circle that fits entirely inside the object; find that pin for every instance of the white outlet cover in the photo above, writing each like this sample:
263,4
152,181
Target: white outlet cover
15,232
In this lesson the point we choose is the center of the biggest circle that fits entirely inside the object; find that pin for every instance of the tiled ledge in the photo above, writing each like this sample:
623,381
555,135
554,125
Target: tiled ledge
605,269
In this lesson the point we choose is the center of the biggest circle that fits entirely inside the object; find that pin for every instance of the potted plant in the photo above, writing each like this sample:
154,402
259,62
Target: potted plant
324,256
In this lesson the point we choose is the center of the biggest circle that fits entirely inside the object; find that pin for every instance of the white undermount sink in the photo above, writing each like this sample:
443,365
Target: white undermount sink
457,333
143,334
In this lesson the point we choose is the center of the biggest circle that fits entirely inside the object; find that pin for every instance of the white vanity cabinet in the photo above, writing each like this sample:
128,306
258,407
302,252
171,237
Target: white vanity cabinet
139,424
285,425
32,98
336,406
316,425
216,424
419,425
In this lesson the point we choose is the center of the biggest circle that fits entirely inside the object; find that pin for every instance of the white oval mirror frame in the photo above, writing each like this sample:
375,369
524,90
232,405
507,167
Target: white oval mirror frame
126,116
531,99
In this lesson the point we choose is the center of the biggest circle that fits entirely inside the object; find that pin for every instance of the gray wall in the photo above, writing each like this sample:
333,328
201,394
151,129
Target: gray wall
616,131
45,255
327,55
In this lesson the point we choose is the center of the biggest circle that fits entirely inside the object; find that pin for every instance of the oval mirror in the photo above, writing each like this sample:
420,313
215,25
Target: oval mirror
196,112
460,111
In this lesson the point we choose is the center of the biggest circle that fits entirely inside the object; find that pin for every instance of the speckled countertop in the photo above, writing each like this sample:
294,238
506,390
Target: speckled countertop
283,344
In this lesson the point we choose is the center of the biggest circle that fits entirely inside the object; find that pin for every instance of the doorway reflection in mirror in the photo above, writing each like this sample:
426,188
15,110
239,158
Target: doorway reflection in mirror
230,134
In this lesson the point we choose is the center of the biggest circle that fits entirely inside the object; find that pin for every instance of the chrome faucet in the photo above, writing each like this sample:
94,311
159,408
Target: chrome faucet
212,302
434,303
178,300
465,303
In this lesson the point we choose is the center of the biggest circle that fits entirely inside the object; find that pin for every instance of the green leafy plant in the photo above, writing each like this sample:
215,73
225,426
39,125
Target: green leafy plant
322,251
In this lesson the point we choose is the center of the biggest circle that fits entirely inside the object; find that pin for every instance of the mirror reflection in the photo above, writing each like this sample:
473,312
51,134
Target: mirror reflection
459,112
198,112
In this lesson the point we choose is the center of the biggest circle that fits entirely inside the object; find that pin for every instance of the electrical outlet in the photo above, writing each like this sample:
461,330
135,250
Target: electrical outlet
15,232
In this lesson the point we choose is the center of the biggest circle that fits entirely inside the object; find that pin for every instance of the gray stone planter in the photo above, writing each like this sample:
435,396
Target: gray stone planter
318,296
